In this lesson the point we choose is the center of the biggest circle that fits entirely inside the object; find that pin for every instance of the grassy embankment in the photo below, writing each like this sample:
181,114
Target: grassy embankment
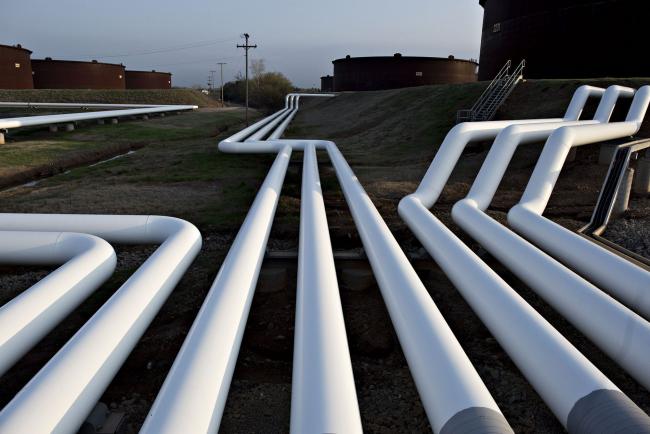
128,96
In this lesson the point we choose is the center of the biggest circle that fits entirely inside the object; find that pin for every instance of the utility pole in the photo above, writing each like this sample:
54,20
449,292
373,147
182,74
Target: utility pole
246,47
221,65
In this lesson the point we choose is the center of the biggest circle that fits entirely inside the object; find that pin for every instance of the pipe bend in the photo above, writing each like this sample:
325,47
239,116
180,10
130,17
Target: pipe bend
590,90
561,138
512,131
405,203
71,244
516,212
623,91
459,208
462,129
639,105
164,227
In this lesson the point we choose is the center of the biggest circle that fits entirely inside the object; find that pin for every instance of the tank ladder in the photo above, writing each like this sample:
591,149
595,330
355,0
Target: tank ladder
494,95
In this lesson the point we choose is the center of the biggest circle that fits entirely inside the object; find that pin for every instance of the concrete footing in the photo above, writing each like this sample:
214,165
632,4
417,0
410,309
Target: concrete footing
114,121
69,127
103,421
641,184
606,154
162,115
53,128
623,196
101,121
145,117
2,139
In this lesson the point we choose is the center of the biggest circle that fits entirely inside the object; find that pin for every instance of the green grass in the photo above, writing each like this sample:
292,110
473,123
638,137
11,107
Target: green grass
16,156
178,172
32,149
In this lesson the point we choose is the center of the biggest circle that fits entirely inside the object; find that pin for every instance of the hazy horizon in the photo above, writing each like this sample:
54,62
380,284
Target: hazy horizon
298,38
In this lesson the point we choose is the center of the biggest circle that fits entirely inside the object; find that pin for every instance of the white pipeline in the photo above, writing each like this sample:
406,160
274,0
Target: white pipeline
30,121
621,278
323,396
452,393
563,377
197,386
87,262
451,390
622,334
66,389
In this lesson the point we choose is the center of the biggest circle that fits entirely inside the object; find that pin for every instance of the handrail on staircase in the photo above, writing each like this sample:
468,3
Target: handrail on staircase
494,95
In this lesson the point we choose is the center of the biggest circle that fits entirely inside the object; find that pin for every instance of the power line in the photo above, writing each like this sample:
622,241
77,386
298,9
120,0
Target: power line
165,50
210,60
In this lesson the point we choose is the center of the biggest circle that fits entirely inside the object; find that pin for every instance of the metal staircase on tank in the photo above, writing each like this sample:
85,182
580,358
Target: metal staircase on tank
494,96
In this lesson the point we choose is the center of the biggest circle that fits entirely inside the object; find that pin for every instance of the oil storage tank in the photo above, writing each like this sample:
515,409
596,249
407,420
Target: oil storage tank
73,74
15,68
327,83
391,72
565,38
148,80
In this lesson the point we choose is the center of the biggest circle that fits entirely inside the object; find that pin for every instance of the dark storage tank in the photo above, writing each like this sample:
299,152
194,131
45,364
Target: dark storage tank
15,68
327,83
377,73
565,38
148,80
72,74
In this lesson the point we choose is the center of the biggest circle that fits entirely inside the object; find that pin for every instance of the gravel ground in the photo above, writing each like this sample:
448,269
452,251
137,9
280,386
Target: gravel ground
632,230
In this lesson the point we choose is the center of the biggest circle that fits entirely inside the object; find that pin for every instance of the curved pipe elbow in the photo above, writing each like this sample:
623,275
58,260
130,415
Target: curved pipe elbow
639,106
579,99
608,102
88,261
402,206
515,214
163,227
460,207
560,139
75,244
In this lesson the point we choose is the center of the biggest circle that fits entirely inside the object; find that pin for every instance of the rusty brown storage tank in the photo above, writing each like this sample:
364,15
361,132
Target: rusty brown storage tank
327,83
390,72
565,38
15,68
148,80
73,74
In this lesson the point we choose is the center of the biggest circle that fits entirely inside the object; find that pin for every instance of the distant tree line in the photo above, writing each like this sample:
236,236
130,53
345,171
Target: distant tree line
266,90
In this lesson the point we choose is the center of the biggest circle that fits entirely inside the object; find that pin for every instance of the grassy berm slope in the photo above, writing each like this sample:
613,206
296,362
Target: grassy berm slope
389,138
129,96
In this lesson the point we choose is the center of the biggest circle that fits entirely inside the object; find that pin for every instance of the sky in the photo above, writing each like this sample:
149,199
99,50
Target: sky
299,38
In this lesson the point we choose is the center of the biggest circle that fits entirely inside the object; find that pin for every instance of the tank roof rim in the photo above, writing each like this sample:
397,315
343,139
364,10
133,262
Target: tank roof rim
16,48
148,72
446,59
85,62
